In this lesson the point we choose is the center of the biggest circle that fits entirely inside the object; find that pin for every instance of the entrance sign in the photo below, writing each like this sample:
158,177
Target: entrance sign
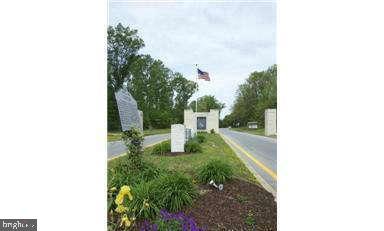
128,112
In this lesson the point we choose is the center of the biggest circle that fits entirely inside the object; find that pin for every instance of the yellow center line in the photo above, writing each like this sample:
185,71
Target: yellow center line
256,161
149,145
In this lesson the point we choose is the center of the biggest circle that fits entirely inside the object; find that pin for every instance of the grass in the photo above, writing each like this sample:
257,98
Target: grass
258,131
115,136
214,148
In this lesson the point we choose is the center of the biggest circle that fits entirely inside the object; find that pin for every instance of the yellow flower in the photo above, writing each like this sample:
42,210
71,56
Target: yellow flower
125,221
121,209
146,205
119,199
130,196
113,189
125,189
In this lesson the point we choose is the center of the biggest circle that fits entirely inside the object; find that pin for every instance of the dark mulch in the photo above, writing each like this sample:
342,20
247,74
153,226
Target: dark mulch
240,206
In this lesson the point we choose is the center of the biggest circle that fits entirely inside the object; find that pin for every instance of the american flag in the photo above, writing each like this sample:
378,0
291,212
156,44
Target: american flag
203,75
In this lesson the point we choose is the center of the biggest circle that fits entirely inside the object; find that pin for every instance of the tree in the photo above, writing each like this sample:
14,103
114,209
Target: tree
183,89
258,93
123,45
160,93
205,103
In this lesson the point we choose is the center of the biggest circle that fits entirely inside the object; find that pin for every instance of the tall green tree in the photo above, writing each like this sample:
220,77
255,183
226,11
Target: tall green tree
123,45
258,93
160,93
183,90
205,103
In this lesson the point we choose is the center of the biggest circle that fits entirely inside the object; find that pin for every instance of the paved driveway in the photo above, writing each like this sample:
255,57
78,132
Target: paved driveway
116,148
258,153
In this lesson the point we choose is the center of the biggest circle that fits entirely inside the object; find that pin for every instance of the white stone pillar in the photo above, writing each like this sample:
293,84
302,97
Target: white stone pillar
177,137
270,122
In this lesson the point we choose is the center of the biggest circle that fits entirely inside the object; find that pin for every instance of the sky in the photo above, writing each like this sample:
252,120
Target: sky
229,40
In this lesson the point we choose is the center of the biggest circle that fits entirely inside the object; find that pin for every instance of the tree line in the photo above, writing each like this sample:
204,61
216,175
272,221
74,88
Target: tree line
161,93
258,93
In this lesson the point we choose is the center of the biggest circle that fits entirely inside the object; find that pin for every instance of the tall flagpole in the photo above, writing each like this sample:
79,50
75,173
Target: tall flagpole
197,87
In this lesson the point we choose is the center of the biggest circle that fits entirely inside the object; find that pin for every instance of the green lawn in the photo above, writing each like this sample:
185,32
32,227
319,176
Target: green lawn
258,131
114,136
213,148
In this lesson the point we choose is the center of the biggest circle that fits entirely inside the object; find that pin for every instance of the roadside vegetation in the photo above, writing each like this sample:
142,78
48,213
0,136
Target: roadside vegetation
152,191
115,136
258,93
258,131
214,148
161,93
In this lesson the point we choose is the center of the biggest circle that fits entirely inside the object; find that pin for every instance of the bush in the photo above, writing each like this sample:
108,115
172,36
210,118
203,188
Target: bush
215,170
145,203
192,146
175,191
200,138
212,131
162,148
123,174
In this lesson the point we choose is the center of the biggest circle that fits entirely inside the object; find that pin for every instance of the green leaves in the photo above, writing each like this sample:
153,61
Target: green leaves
215,170
176,191
205,103
162,148
160,93
192,146
123,45
258,93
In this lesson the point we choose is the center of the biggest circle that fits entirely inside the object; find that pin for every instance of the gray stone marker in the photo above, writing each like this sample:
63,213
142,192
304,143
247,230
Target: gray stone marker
270,122
177,137
128,112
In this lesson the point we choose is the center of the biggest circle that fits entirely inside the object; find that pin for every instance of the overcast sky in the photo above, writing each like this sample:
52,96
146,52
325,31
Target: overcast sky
227,39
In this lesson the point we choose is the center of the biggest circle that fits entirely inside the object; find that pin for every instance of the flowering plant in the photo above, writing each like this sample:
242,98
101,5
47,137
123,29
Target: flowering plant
119,216
172,221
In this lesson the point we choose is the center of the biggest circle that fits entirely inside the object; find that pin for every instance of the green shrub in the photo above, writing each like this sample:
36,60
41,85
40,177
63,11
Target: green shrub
123,174
149,172
212,131
200,138
192,146
145,203
161,148
175,191
215,170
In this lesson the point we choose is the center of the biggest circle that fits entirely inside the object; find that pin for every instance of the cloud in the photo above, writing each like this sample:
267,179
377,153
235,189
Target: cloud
229,40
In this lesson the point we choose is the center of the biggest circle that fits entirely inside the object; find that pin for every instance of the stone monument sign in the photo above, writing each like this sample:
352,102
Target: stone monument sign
202,121
177,137
130,116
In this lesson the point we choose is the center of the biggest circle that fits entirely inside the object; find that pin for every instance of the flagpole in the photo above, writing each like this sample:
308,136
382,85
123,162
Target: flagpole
197,87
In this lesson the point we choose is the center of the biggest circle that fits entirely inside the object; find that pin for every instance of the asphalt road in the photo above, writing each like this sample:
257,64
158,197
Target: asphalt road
116,148
258,153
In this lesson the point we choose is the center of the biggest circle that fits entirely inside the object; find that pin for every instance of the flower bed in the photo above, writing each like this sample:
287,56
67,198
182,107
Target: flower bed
141,197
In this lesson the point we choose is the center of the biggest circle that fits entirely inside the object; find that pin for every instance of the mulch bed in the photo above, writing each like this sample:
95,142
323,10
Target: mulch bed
240,206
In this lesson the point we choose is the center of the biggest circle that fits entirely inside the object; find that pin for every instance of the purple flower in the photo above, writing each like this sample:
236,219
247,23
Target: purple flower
187,223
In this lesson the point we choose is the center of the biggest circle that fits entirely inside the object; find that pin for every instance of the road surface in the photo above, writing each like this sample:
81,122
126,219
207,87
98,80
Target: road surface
258,153
116,148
